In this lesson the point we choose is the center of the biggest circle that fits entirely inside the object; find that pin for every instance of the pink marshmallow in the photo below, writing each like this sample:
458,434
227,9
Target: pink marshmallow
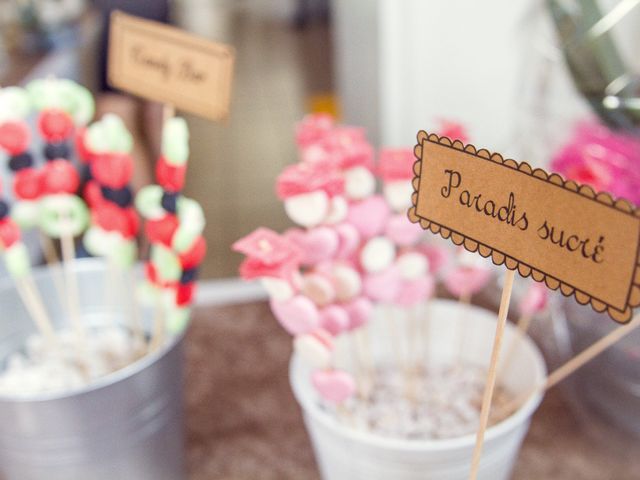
298,315
348,241
383,286
317,245
334,386
396,164
464,281
359,311
369,216
309,177
334,319
415,291
438,256
402,232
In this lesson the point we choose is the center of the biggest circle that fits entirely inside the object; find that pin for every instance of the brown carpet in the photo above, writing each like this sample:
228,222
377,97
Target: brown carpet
243,422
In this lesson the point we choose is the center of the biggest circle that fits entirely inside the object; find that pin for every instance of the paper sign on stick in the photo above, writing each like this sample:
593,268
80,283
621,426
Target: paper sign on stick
165,64
581,242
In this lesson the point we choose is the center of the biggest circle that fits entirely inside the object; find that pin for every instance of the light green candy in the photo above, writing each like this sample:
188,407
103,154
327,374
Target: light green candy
178,320
175,141
148,202
192,222
26,213
96,241
147,293
14,104
55,208
63,94
166,262
125,253
17,260
109,134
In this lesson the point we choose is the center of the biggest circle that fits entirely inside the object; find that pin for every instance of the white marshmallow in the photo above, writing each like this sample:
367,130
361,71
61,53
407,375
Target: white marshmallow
359,183
277,288
307,209
412,265
312,351
377,254
472,260
337,210
347,282
318,289
398,194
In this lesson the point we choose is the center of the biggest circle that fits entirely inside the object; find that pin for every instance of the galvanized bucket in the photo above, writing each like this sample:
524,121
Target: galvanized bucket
126,426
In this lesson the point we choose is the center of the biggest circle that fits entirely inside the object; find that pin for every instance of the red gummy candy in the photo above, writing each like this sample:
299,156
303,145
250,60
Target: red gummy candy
150,272
14,137
113,170
55,125
84,154
170,177
9,232
184,293
28,184
112,218
92,194
162,230
194,256
60,176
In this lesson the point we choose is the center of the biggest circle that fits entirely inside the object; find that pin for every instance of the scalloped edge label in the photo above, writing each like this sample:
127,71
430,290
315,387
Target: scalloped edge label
168,65
583,243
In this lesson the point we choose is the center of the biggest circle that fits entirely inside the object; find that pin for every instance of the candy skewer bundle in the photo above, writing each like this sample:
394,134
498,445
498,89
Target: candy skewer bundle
173,226
46,198
353,255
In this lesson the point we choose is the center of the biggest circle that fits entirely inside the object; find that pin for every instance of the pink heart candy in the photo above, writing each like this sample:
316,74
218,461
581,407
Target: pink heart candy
383,286
437,255
369,216
348,241
465,281
317,244
334,319
402,232
334,386
415,291
298,315
359,311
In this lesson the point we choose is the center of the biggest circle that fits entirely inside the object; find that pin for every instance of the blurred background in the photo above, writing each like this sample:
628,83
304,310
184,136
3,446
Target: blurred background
515,77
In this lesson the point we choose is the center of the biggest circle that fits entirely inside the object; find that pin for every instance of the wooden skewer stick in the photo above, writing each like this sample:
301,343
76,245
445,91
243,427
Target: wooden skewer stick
159,326
73,296
574,364
51,257
522,328
492,373
465,302
33,303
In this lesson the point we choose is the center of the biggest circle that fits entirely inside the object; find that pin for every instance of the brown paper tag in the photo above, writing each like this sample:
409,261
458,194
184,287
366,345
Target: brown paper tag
168,65
575,240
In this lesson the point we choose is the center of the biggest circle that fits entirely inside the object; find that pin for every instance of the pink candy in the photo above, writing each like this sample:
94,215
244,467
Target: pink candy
534,300
396,164
334,386
316,245
334,319
297,315
313,128
464,281
415,291
369,216
308,177
402,232
359,311
383,286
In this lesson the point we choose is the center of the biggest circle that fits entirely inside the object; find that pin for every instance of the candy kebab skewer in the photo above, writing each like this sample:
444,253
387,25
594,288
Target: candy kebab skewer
17,261
173,227
63,105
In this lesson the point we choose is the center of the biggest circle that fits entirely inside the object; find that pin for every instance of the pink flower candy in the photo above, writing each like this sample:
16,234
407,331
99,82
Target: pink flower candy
309,177
313,128
534,300
396,164
453,130
350,146
268,255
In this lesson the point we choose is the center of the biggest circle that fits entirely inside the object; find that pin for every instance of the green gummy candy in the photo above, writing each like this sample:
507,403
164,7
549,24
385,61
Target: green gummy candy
178,320
26,213
124,254
192,222
17,260
14,104
175,141
147,293
63,214
148,202
109,134
63,94
166,262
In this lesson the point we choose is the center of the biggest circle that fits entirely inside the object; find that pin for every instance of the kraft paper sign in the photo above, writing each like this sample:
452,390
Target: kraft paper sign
165,64
581,242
